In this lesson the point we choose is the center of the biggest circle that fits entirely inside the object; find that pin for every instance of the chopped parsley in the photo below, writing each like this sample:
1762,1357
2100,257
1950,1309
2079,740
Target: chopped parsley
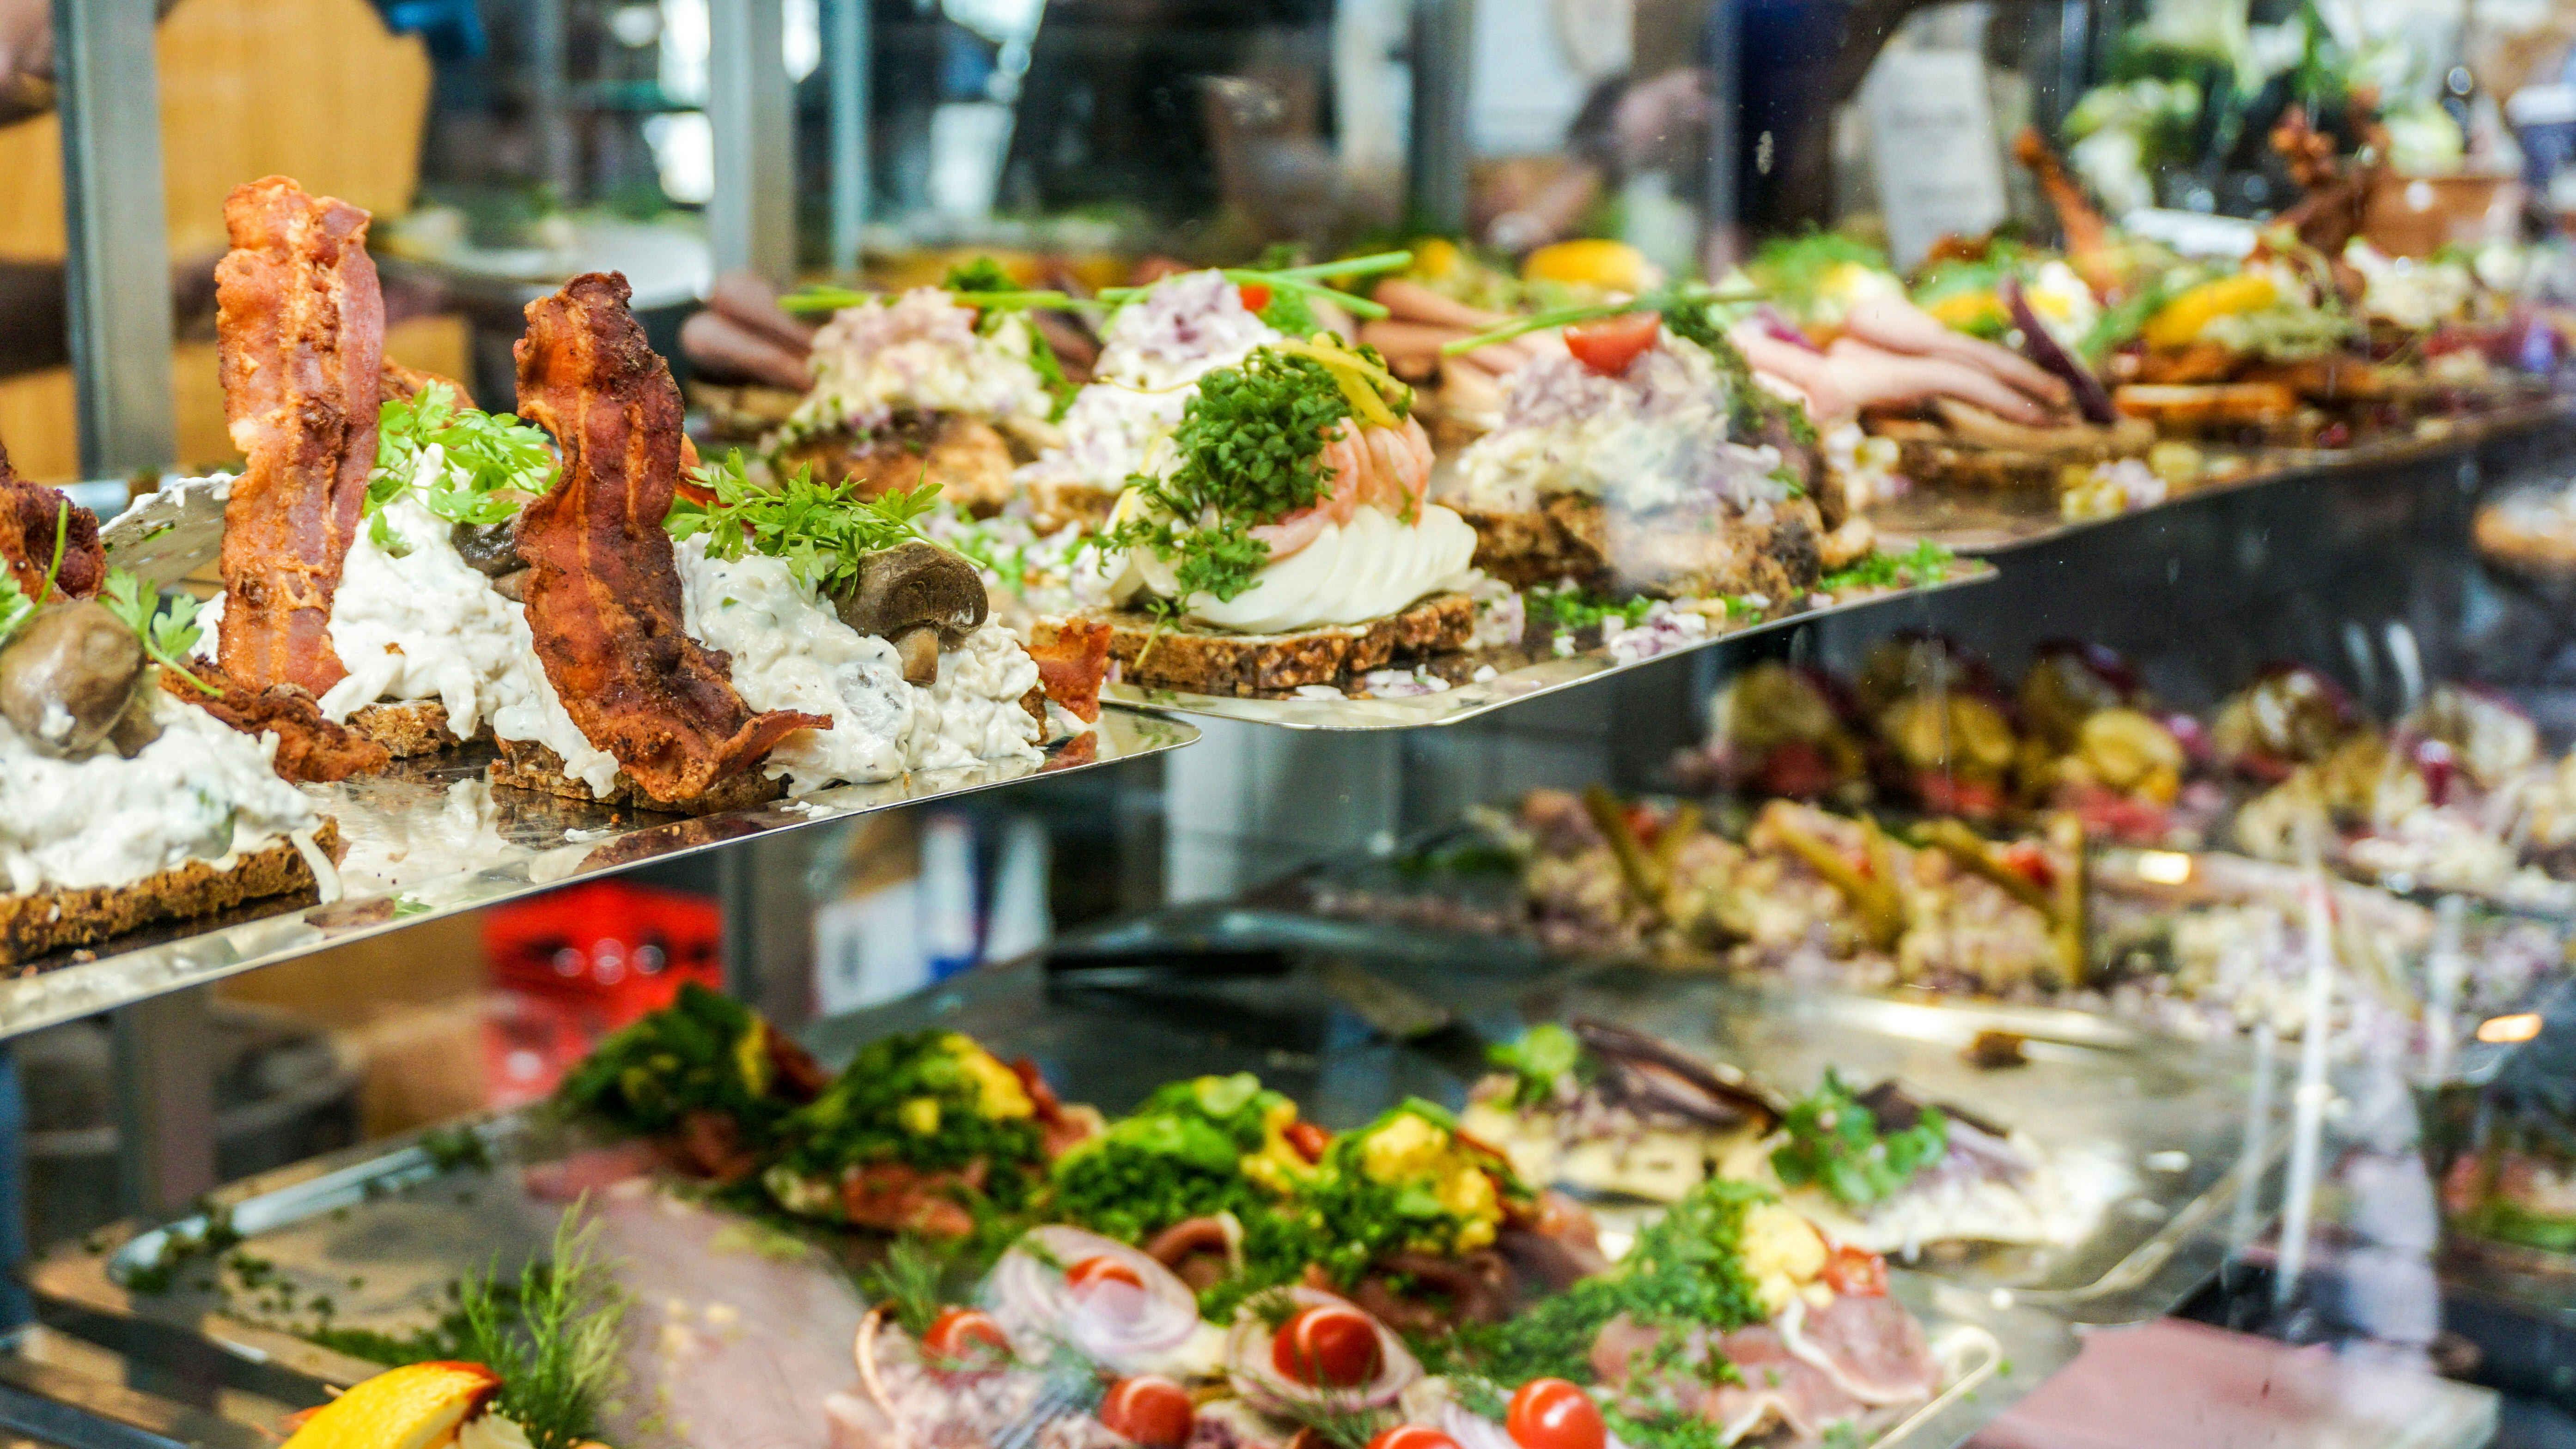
704,1052
1182,1155
933,1101
1543,1056
1566,608
819,530
167,634
1834,1143
1250,447
494,463
1926,563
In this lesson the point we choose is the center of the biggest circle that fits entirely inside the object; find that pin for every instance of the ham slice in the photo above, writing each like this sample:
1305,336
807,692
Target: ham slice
1805,1371
1869,1345
300,323
603,588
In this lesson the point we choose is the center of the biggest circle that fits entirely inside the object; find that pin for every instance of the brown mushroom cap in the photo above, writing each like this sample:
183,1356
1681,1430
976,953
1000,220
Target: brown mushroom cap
913,585
68,675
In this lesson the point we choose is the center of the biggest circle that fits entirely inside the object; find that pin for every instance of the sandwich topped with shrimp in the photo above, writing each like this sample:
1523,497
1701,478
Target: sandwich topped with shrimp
1283,538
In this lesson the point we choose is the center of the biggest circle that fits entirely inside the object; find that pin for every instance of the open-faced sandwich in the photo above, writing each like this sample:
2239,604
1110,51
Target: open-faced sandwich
1283,538
122,802
931,387
1647,461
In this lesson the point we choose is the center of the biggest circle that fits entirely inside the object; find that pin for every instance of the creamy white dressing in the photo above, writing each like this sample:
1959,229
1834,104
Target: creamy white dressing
202,791
1371,567
424,624
540,718
973,712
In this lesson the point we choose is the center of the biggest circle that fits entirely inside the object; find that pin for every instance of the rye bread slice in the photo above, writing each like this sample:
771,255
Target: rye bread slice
1219,661
1573,537
526,765
408,727
48,921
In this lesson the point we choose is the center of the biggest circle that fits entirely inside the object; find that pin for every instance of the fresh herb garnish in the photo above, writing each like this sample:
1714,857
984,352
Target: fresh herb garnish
167,634
1925,563
1543,1057
493,463
1565,608
704,1052
933,1101
553,1342
821,532
15,607
1835,1144
911,1278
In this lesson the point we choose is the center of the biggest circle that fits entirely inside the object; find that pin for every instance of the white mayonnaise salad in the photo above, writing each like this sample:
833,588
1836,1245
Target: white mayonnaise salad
791,651
1371,567
1652,437
1155,351
202,791
918,353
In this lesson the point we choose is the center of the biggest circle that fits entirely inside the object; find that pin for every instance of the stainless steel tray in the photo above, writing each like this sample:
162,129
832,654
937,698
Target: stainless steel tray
430,839
382,1231
1517,677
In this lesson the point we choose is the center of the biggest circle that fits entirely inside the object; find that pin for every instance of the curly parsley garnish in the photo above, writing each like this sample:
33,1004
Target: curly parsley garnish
167,634
819,530
1834,1143
1250,448
494,463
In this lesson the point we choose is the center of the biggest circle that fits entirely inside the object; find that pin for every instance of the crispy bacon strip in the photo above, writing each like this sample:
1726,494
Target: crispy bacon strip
1072,656
29,515
301,324
603,588
2088,236
309,746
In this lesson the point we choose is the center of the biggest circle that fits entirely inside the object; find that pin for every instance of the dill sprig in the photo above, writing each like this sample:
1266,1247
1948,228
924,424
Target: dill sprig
820,531
912,1278
167,634
494,462
553,1341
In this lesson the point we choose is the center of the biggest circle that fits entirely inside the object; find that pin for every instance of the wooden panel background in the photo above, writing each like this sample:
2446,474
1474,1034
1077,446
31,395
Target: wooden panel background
313,89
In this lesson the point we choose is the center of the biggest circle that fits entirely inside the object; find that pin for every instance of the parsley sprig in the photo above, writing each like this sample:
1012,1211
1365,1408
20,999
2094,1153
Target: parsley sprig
494,463
821,532
167,634
1835,1143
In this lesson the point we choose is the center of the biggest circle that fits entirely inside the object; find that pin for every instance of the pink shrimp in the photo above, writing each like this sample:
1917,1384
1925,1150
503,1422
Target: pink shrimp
1389,468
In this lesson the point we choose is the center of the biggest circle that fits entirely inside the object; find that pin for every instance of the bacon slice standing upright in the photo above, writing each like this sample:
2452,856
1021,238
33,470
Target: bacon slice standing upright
603,588
30,515
302,328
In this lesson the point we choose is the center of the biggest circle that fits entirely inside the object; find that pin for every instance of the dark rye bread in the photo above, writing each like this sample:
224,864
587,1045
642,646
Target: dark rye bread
49,921
1570,536
407,727
1202,660
526,765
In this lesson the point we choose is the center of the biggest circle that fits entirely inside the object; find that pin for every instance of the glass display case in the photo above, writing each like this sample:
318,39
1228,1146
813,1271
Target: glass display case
1462,725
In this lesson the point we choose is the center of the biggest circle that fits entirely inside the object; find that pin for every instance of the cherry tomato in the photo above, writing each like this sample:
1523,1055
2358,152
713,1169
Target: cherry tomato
1256,295
1554,1414
1330,1346
2030,863
1609,345
1412,1436
966,1336
1308,1140
1150,1411
1856,1271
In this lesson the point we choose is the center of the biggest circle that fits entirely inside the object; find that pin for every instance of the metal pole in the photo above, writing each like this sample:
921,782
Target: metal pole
1722,52
165,1103
2074,58
550,78
118,269
848,57
1444,45
751,222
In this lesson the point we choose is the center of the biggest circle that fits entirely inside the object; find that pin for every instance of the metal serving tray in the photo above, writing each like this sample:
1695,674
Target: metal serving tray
430,838
382,1231
1518,674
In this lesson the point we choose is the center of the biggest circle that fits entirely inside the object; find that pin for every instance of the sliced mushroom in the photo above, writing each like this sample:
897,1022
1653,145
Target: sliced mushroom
912,586
68,676
490,549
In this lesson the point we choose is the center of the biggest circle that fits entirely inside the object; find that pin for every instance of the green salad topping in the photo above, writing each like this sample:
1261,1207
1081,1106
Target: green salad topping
1835,1144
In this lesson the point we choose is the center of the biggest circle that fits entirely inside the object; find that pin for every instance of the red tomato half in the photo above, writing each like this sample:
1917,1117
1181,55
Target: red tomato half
966,1336
1554,1414
1308,1140
1330,1346
1147,1410
1856,1271
1256,295
1609,345
1412,1436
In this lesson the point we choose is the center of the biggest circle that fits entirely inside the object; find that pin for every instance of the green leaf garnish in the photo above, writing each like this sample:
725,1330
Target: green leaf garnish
15,607
820,531
1926,563
495,463
1544,1056
1835,1143
167,634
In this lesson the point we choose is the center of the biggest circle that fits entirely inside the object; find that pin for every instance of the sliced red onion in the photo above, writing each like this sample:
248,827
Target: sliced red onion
2092,399
1121,1328
1248,1364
